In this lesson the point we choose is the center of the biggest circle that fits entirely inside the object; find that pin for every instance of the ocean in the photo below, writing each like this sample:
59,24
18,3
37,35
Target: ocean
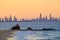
33,35
25,25
36,35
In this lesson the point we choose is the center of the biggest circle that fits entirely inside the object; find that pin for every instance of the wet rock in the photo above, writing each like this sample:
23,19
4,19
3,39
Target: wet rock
16,27
29,28
48,29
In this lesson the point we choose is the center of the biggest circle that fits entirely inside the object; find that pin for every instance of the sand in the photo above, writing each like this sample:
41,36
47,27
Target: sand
4,34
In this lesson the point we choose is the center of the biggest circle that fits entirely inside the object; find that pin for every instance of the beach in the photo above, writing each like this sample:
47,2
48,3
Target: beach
5,34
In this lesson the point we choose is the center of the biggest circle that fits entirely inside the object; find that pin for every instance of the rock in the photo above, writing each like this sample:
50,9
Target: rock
29,28
48,29
17,27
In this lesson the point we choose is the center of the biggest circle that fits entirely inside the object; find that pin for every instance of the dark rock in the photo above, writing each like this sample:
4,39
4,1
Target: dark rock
17,27
29,28
48,29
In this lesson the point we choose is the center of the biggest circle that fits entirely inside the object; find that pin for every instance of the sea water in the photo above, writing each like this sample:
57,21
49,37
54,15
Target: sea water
33,35
25,25
36,35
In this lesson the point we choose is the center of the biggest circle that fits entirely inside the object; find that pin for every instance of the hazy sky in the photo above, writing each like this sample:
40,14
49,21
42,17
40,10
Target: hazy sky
29,8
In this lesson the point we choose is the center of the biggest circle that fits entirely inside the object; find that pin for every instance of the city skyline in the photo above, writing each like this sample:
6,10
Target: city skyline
40,18
28,9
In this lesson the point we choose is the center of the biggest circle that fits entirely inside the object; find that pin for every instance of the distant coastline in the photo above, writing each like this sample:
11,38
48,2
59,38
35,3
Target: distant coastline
38,19
29,21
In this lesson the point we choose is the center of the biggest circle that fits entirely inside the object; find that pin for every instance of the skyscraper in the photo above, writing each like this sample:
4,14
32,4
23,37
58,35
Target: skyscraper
46,18
40,17
2,20
15,19
10,19
50,17
6,19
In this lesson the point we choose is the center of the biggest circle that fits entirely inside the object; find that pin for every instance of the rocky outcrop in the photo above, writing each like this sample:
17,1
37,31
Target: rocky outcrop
16,27
29,28
47,29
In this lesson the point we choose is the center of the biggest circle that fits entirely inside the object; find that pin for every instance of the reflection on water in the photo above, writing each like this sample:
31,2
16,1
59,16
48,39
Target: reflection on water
36,35
10,38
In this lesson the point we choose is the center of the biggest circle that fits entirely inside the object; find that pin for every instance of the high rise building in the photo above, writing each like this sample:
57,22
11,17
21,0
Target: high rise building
15,19
40,17
46,18
10,19
50,17
2,20
6,19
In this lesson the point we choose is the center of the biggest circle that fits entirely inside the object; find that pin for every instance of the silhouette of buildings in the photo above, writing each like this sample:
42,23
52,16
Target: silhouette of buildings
46,18
50,17
10,19
15,19
2,20
6,19
38,19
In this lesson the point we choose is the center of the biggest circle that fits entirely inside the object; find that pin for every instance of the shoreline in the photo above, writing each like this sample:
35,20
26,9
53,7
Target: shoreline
4,34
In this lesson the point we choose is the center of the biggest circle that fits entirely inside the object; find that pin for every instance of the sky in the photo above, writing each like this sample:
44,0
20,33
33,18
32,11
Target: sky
28,9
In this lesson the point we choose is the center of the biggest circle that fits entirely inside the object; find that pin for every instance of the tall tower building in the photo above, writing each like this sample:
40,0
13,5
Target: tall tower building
6,19
40,17
10,19
2,20
50,17
15,19
46,18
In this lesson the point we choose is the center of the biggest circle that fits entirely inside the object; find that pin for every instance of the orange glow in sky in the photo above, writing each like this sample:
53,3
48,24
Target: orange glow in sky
29,8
